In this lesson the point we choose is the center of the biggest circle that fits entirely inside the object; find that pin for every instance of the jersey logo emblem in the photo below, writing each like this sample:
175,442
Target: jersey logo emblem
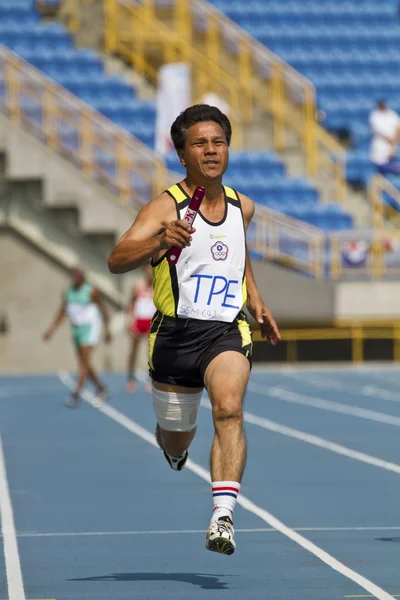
219,251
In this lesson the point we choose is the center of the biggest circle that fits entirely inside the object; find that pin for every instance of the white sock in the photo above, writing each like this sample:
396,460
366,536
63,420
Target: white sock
225,494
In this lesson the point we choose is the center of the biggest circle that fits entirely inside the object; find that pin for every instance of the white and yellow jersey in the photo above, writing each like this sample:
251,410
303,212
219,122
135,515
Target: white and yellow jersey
208,281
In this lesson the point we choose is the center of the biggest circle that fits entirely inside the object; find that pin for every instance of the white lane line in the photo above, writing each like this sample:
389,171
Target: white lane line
15,583
245,502
316,441
295,398
382,376
369,391
190,531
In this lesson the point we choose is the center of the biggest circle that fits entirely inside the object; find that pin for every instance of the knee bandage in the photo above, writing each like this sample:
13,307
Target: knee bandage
176,411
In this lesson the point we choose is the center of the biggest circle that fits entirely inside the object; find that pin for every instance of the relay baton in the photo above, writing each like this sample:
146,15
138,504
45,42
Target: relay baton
190,215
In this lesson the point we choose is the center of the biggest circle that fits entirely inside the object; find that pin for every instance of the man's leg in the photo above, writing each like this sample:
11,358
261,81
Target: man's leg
226,379
132,360
94,378
102,391
83,354
176,410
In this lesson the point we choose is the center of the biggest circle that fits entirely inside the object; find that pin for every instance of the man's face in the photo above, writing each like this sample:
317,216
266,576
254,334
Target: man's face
382,105
77,277
206,151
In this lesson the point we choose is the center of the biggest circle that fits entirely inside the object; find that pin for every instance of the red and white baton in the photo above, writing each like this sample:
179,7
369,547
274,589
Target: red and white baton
190,215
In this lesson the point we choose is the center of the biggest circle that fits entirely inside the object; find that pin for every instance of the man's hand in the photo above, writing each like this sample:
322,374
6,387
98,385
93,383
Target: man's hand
177,233
263,316
46,336
393,152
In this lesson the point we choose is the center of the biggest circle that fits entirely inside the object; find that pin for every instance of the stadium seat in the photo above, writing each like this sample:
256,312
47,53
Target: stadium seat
261,175
350,49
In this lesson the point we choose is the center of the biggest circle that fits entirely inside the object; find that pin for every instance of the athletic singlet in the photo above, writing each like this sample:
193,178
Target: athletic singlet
208,281
80,308
144,307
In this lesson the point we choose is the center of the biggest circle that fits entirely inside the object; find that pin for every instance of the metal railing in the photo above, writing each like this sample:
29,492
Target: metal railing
102,150
355,254
111,157
273,236
229,62
385,201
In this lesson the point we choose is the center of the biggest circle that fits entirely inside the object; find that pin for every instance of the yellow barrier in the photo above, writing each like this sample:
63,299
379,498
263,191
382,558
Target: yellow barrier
278,238
357,333
105,153
379,186
228,62
313,252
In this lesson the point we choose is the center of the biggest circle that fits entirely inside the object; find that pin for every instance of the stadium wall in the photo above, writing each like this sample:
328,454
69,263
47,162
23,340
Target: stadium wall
293,297
367,300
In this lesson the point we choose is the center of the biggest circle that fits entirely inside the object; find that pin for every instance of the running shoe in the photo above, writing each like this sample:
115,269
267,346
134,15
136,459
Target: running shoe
177,463
72,401
100,397
219,536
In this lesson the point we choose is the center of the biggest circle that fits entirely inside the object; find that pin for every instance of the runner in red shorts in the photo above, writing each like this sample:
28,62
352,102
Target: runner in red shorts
141,310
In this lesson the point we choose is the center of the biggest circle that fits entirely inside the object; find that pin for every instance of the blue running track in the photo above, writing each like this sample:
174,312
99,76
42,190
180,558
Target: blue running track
100,516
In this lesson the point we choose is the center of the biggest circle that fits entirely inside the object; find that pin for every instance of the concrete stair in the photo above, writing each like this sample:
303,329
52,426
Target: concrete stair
47,194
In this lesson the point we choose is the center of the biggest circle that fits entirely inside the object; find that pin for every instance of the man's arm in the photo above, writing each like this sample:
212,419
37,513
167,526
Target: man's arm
255,304
97,299
56,321
132,301
153,232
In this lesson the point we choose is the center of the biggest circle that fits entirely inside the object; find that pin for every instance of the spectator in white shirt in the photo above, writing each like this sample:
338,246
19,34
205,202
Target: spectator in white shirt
385,126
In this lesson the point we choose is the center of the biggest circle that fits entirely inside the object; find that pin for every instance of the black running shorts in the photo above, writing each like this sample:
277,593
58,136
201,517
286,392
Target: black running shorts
180,350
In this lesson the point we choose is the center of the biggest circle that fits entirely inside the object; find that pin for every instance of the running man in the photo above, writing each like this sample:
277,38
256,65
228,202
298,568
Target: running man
83,305
200,336
140,312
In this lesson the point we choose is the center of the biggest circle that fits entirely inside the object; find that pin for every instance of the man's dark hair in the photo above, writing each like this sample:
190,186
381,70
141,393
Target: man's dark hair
199,113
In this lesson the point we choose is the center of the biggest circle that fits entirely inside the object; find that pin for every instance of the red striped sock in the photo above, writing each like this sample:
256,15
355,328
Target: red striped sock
225,494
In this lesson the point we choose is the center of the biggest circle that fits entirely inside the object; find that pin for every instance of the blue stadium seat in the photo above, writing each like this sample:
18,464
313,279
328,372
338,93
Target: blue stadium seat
261,175
17,12
50,3
359,168
350,49
173,163
123,112
29,5
96,88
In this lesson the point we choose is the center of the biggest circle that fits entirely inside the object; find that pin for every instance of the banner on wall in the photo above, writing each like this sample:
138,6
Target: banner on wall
173,96
355,254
